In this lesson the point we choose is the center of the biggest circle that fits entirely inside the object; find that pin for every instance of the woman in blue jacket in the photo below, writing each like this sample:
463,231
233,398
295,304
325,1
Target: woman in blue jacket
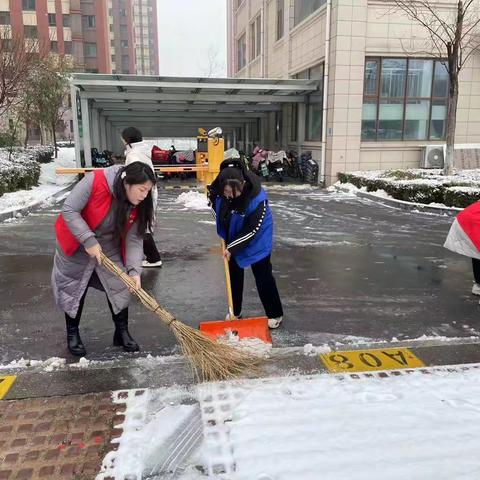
244,221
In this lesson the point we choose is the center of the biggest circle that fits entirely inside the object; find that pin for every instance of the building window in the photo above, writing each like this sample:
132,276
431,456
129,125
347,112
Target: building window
54,46
122,12
404,99
90,49
4,18
124,43
28,5
241,52
68,48
52,20
30,31
294,123
255,38
91,70
278,126
88,21
66,21
123,29
280,18
71,126
113,58
314,104
304,8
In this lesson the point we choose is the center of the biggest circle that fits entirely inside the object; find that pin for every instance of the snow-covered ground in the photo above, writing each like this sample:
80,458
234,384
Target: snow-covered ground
49,184
417,426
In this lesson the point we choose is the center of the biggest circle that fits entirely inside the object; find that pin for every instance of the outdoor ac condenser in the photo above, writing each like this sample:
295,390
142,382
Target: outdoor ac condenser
433,156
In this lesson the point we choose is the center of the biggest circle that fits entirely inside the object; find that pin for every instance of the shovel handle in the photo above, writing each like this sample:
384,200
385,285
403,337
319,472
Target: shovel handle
227,282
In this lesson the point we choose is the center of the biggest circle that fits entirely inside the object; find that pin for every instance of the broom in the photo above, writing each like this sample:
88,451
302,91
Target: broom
209,360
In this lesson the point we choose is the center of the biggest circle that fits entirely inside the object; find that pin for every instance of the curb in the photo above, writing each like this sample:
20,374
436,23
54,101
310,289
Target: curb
26,210
403,205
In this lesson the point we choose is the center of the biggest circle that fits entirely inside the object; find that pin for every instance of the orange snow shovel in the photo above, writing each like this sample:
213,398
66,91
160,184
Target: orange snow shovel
253,327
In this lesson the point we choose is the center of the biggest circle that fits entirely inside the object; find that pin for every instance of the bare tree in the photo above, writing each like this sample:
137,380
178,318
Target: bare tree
214,66
452,39
18,56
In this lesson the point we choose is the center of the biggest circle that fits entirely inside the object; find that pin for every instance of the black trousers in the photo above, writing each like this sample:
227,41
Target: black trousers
266,287
476,270
150,249
94,282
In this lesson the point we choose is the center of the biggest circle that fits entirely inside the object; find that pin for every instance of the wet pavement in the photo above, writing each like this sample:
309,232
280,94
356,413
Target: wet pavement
349,270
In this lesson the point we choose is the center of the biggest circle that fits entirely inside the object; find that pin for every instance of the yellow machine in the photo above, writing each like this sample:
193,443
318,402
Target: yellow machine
210,150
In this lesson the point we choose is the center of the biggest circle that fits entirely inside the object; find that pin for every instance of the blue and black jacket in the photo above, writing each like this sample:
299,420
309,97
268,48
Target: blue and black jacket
245,223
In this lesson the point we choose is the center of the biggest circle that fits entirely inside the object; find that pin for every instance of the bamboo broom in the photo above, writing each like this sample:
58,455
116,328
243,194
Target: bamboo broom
209,360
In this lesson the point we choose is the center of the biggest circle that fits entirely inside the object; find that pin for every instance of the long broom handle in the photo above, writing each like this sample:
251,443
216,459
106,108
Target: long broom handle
228,282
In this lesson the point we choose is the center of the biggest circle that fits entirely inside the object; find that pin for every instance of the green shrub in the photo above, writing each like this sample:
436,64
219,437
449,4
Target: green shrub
18,171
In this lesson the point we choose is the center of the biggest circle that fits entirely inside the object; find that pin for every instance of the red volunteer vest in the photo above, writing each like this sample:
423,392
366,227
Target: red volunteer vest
469,220
94,212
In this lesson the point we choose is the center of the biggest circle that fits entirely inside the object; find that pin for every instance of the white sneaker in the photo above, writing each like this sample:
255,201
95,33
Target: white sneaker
274,322
238,317
476,288
146,264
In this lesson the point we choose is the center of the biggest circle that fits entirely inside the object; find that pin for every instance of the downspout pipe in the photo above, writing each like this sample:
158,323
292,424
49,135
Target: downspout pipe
326,69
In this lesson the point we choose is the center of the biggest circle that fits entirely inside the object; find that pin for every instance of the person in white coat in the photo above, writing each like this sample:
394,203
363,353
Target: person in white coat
136,150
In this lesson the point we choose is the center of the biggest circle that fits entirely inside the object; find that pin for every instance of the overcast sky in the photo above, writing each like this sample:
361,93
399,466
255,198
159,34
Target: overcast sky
192,36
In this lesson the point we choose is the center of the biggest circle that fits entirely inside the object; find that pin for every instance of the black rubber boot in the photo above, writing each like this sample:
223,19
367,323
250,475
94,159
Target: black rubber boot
74,342
122,337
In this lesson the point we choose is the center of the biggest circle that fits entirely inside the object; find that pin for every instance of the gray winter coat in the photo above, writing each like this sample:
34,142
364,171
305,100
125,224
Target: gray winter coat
71,275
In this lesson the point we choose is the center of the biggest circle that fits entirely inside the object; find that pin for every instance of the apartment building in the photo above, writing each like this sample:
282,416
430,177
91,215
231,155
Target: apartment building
382,102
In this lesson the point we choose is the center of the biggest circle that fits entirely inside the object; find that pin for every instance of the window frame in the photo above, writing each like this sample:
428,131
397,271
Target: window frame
86,22
29,7
377,97
52,16
244,64
280,20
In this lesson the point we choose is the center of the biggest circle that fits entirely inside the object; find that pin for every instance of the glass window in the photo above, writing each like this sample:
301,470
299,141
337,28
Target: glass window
54,46
370,84
393,78
68,48
280,18
416,119
30,31
441,81
399,102
28,4
438,122
66,21
314,110
241,52
294,123
369,119
52,20
255,38
90,49
124,43
390,119
420,73
88,21
304,8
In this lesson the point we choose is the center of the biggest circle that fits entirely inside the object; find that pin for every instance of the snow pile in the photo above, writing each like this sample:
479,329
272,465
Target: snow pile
153,421
311,350
49,184
252,345
193,200
319,427
48,365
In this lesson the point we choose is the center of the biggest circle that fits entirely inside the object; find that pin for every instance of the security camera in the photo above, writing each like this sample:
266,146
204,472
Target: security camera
215,132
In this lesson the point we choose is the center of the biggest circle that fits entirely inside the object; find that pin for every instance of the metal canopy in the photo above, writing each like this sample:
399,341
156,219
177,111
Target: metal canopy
173,106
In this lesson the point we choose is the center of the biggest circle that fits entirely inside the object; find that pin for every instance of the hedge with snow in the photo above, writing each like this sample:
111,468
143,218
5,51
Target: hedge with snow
420,186
19,170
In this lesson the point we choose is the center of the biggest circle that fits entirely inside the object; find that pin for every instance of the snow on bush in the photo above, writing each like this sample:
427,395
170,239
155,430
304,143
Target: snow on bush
42,153
18,171
420,185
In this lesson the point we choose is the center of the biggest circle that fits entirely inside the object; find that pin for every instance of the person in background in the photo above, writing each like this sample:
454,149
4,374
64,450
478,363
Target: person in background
109,211
136,150
244,221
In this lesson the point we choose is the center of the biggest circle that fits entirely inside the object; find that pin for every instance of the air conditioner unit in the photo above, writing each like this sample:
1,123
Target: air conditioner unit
433,156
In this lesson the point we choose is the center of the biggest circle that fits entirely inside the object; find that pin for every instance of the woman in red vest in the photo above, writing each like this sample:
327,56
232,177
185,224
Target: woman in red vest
109,210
